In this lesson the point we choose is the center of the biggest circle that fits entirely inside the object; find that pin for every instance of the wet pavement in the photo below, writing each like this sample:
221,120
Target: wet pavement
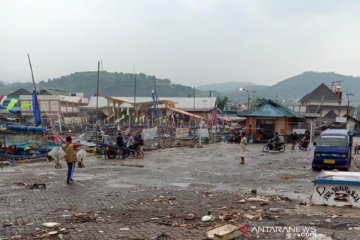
151,198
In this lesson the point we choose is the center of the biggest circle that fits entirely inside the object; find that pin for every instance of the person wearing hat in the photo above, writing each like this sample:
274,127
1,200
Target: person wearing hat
70,158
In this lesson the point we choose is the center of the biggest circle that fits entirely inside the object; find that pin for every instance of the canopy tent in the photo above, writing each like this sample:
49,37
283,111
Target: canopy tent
138,105
145,105
184,112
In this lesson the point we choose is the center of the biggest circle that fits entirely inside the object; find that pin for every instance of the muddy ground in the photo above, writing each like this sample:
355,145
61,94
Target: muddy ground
164,196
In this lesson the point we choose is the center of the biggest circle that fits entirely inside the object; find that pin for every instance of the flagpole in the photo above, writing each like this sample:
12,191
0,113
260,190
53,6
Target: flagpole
37,101
97,107
32,74
135,111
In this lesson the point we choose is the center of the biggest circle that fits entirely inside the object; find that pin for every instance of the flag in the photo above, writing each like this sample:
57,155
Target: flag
36,109
12,104
154,97
25,105
2,99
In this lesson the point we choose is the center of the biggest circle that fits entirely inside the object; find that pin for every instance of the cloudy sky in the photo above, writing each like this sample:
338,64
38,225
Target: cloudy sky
191,42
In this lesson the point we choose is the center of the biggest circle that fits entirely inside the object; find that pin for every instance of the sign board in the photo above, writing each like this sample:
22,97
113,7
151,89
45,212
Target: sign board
299,130
182,133
150,133
340,119
337,189
202,132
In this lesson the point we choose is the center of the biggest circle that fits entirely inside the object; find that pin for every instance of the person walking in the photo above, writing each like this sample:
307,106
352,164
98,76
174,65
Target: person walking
294,138
70,158
243,142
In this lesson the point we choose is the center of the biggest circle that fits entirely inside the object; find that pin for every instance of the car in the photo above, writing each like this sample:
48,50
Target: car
333,150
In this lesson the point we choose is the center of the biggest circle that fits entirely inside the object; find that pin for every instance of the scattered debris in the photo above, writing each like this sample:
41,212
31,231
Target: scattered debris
40,186
16,237
208,218
7,224
227,216
124,229
52,233
256,199
319,237
227,231
50,224
274,209
249,216
163,236
191,216
81,217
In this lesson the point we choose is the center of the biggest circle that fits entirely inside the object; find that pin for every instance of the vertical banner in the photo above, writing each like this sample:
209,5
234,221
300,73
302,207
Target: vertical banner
36,109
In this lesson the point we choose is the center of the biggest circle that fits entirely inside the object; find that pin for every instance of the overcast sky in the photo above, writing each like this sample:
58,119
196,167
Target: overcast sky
190,42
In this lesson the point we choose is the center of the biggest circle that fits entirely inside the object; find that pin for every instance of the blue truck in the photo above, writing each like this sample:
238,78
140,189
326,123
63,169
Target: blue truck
333,150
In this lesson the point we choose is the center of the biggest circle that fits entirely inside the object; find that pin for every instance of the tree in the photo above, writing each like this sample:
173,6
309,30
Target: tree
221,102
258,101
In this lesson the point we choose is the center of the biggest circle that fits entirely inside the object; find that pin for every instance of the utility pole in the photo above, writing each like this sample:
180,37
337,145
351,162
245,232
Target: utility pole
348,104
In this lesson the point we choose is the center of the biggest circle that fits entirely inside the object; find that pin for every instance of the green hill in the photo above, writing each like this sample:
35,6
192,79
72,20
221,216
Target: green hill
110,84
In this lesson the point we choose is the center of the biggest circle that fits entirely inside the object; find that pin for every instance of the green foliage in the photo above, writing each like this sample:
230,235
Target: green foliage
258,101
111,84
221,102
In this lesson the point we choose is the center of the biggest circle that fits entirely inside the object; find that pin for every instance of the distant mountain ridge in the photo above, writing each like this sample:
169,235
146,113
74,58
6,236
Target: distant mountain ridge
296,87
225,87
122,84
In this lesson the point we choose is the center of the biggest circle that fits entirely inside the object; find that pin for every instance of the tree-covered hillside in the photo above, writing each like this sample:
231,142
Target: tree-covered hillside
110,84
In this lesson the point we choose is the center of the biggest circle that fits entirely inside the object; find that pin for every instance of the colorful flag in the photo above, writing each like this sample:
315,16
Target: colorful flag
154,97
25,105
2,99
12,104
36,109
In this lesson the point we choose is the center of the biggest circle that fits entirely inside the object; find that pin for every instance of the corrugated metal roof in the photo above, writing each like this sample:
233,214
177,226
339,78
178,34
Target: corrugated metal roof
270,109
322,92
183,103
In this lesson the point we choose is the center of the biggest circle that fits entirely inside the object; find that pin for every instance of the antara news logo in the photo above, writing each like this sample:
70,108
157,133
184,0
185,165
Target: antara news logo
291,232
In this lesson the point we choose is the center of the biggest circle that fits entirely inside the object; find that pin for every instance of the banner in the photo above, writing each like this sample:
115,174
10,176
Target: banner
25,105
2,99
12,104
182,133
150,133
36,109
202,132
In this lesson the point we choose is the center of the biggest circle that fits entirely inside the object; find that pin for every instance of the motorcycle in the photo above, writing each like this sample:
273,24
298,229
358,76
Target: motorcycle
275,147
304,144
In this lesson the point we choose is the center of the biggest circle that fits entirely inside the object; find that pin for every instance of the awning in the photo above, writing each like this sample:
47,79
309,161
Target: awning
184,112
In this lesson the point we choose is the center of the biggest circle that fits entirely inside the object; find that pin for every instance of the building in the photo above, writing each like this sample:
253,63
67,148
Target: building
323,100
270,117
54,106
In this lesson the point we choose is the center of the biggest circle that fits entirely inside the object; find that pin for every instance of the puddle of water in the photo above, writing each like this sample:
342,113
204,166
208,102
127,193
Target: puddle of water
185,185
9,170
82,176
118,184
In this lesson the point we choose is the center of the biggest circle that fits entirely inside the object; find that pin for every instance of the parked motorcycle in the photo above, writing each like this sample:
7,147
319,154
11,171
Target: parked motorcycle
304,144
274,147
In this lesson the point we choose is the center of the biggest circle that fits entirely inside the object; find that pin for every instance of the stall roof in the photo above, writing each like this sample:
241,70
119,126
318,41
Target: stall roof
183,103
270,109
